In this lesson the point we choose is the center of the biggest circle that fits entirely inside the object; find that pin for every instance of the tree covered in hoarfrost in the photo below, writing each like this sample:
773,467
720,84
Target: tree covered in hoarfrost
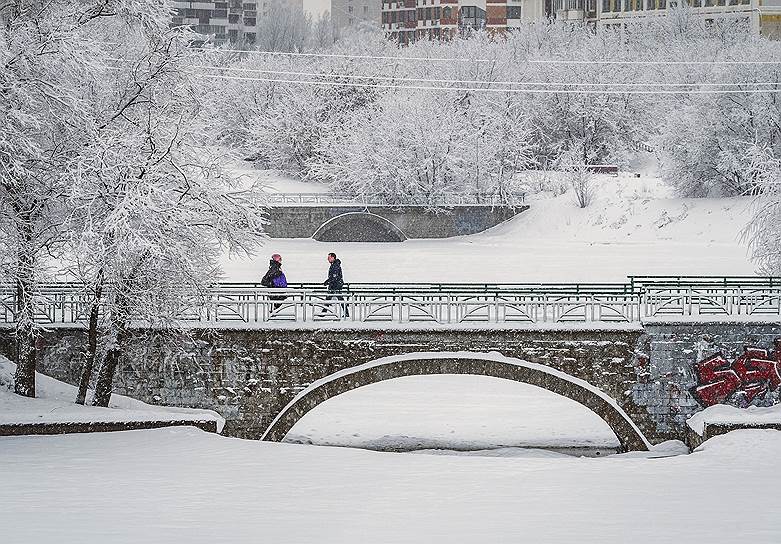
46,55
152,210
103,166
407,149
702,137
763,232
286,134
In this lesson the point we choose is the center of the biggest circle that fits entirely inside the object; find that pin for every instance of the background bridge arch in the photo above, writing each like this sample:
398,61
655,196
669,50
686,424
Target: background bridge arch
359,227
491,364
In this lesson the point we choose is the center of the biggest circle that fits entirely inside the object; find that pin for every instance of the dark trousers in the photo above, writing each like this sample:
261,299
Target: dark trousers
277,304
337,295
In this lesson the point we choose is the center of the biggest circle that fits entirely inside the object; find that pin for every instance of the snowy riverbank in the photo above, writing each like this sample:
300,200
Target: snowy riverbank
635,226
183,485
55,404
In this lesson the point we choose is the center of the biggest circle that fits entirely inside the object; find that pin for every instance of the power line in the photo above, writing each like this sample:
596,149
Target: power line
456,59
476,89
343,56
479,81
656,62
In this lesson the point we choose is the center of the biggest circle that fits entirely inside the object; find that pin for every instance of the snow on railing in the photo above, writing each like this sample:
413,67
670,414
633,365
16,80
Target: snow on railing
446,304
387,199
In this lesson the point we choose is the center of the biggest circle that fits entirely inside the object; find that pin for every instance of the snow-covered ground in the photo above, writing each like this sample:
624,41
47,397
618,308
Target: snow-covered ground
54,403
183,485
634,227
272,181
453,412
731,415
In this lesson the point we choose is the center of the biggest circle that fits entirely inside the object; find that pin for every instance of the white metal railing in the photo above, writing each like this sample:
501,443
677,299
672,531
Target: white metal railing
442,304
380,199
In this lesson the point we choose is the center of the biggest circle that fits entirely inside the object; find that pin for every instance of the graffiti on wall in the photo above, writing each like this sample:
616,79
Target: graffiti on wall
748,378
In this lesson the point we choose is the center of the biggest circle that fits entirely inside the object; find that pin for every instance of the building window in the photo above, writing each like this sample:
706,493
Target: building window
349,9
365,9
249,21
447,12
233,18
513,12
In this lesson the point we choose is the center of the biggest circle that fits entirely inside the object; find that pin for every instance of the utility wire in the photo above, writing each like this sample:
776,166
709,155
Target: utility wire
479,81
456,59
476,89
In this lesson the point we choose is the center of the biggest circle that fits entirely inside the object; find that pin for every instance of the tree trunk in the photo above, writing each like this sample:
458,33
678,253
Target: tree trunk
92,342
24,329
24,377
105,382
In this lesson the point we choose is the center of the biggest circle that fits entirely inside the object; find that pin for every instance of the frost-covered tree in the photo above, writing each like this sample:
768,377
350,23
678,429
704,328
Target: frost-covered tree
409,149
702,139
763,232
47,53
152,210
285,27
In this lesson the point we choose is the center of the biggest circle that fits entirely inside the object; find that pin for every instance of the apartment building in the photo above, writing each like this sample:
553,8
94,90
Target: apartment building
354,13
763,16
233,20
409,20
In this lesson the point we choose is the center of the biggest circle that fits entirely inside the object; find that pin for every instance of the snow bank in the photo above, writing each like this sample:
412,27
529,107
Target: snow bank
731,415
273,181
183,485
54,403
634,227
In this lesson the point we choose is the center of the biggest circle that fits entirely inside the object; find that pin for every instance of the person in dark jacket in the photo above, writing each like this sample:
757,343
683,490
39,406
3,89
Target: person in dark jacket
275,278
335,282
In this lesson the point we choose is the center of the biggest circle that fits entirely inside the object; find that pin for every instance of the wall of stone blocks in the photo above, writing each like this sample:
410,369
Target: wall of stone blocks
414,221
673,348
249,375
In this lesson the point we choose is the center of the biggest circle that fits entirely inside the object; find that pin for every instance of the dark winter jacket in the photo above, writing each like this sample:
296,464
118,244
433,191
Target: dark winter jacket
335,281
274,277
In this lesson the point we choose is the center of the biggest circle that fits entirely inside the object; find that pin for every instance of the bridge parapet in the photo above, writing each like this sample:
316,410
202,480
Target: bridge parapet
251,305
445,200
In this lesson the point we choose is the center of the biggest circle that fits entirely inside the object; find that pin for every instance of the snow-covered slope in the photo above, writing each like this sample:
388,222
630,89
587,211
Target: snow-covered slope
54,403
634,227
183,485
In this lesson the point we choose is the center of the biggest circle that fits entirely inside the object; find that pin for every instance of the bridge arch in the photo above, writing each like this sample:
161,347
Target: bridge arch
480,364
361,226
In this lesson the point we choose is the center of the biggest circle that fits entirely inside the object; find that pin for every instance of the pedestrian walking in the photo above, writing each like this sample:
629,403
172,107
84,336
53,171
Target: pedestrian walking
335,283
275,278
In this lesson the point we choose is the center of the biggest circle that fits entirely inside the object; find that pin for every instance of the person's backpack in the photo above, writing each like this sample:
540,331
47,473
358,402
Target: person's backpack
267,280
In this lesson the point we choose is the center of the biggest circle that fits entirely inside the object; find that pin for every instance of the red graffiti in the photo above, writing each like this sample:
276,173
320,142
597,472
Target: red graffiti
750,376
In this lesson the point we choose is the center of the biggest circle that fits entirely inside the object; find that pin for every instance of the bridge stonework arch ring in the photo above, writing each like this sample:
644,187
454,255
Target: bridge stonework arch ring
480,364
359,227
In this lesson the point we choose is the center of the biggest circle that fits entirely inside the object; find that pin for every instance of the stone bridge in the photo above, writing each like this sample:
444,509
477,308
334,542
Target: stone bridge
638,377
359,223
